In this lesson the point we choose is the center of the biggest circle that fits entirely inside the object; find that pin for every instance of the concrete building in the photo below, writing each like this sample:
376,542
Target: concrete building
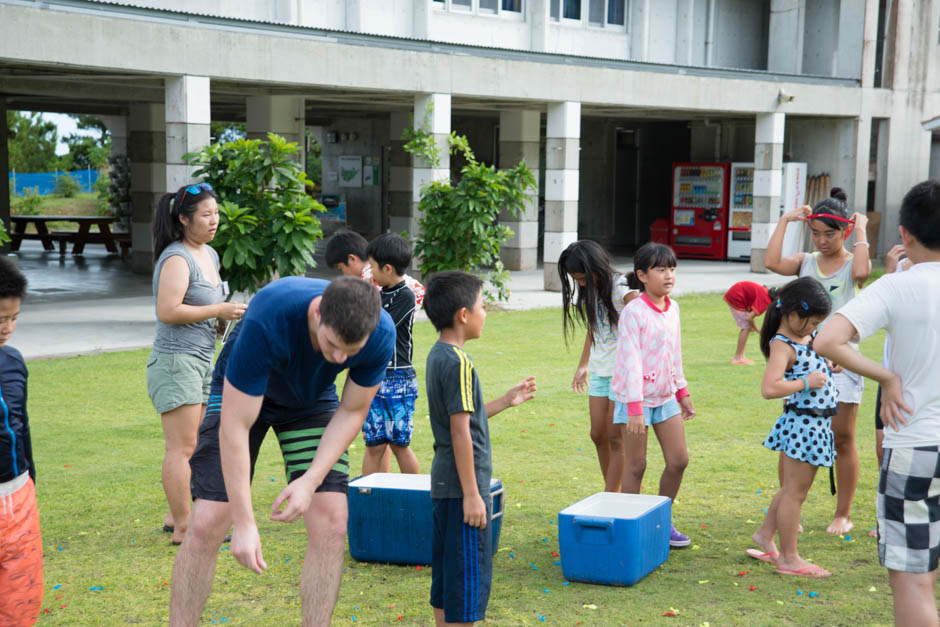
602,96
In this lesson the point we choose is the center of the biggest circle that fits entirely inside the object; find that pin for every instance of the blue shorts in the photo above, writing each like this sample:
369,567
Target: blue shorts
391,415
652,415
461,563
600,386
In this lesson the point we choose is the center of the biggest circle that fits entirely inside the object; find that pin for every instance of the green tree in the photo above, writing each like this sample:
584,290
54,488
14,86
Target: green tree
459,228
33,142
224,132
268,222
86,153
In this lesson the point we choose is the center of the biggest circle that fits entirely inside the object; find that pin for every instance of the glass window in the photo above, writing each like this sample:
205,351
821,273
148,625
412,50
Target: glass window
572,9
463,5
512,5
596,12
553,10
489,6
615,12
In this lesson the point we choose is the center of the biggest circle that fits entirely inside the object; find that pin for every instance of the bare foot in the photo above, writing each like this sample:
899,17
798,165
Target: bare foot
873,533
800,567
768,545
841,525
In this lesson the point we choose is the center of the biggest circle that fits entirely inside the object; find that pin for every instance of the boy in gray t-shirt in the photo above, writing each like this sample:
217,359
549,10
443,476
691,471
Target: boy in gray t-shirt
461,555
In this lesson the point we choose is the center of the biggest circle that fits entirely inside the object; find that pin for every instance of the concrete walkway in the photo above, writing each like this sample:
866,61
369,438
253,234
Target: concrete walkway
94,303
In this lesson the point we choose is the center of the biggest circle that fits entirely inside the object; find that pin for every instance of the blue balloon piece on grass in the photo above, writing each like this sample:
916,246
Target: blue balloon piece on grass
813,595
57,586
565,583
557,563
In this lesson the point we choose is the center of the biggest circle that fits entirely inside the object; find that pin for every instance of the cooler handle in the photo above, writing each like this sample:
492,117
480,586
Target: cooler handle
502,502
603,523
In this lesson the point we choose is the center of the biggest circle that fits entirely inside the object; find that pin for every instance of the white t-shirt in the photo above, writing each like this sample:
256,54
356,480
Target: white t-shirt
604,349
907,305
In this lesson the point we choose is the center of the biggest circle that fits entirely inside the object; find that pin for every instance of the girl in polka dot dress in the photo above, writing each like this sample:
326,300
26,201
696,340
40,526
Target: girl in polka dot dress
802,434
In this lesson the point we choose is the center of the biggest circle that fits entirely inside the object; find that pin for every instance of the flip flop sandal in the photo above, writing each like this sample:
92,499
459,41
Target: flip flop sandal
167,529
813,572
770,558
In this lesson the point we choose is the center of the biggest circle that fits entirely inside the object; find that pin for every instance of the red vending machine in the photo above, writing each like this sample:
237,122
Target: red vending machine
699,214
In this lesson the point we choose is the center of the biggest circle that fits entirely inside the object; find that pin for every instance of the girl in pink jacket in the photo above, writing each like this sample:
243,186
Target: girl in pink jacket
648,381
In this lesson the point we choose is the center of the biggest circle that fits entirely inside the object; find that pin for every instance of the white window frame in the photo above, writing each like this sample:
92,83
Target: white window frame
584,21
448,5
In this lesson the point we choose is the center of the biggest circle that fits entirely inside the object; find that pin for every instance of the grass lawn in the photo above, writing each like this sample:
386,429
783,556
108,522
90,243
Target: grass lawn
98,448
82,204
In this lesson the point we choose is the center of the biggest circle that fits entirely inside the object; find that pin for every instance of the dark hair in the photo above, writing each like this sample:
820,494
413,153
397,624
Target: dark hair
920,213
342,244
835,205
650,255
12,281
351,308
805,295
166,226
589,258
447,293
391,249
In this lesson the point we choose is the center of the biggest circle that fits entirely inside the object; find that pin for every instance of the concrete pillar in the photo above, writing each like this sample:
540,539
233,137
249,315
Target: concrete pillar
639,31
421,19
282,115
4,171
431,112
400,198
768,184
117,126
562,165
869,43
519,133
785,37
146,149
187,125
860,138
685,31
538,17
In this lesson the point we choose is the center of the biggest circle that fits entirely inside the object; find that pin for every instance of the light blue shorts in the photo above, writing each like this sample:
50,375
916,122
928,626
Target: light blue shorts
600,386
652,415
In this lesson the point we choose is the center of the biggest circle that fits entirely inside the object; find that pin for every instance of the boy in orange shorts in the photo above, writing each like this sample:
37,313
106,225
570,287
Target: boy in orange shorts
20,542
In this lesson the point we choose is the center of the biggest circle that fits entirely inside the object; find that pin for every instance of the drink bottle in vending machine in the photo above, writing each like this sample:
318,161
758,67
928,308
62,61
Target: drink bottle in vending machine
699,213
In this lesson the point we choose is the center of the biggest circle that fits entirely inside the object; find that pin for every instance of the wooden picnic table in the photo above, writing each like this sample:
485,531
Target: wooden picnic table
78,238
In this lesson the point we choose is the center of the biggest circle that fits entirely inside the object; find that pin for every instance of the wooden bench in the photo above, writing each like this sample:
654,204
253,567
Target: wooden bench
78,238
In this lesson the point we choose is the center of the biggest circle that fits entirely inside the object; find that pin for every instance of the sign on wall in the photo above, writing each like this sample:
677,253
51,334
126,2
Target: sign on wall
350,171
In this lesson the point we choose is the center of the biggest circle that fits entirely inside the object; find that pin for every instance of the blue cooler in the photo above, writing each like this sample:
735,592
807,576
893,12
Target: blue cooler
391,518
613,538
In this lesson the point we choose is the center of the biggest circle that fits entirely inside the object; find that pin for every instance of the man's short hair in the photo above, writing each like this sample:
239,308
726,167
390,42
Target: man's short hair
342,244
447,293
391,249
351,308
920,213
12,281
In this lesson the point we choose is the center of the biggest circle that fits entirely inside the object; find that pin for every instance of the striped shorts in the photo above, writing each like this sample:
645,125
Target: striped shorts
461,563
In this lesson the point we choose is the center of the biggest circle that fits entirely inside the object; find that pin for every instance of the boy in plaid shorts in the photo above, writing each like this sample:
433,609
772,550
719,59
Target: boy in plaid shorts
906,305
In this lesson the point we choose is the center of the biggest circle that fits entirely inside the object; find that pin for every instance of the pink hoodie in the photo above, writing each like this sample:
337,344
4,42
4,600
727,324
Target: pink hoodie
648,370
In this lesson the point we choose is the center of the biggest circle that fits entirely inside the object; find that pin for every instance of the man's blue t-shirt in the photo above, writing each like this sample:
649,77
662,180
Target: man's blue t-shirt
273,354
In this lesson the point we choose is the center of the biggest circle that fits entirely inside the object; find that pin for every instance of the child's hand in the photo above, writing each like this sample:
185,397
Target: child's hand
580,382
688,409
798,213
893,258
892,402
816,379
833,366
636,425
520,392
474,511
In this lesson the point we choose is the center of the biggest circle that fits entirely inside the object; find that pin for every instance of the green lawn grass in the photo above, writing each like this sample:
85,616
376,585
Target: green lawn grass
98,448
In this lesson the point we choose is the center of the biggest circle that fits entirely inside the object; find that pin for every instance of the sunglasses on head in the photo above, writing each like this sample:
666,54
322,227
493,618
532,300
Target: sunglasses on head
195,190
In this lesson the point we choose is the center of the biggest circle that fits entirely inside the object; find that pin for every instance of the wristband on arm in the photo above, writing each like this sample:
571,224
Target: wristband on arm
805,382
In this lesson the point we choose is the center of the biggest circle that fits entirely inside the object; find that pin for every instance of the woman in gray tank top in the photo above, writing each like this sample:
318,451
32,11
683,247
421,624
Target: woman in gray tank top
842,273
188,296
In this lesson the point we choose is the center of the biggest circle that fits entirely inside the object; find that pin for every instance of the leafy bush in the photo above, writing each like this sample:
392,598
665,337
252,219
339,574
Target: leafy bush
458,227
268,223
66,186
29,204
102,189
4,238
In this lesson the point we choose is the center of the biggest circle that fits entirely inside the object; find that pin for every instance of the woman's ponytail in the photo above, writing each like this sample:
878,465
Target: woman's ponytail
166,227
772,318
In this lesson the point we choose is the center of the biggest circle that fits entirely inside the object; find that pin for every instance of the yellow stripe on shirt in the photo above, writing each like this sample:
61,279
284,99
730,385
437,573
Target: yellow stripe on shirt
466,380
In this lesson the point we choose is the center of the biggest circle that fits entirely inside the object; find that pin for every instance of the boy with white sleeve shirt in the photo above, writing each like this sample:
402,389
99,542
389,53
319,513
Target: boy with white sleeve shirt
906,305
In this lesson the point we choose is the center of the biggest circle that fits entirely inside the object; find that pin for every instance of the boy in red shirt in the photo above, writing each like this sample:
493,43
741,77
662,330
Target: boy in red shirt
747,300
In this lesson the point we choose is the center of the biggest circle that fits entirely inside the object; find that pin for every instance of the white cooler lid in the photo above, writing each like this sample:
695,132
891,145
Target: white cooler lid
397,481
614,505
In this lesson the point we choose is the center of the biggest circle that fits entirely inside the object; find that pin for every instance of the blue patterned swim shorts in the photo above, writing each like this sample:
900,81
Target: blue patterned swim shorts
391,416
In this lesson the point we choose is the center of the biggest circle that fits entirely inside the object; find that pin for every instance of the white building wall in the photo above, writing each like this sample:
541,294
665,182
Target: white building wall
383,17
740,34
480,30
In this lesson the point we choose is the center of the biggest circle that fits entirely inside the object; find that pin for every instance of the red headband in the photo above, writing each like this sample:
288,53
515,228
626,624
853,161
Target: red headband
848,230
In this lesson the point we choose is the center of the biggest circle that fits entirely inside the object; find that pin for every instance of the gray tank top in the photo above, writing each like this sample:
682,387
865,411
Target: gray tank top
194,338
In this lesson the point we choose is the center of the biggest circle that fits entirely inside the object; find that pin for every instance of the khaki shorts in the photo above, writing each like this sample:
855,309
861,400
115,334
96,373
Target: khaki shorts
177,379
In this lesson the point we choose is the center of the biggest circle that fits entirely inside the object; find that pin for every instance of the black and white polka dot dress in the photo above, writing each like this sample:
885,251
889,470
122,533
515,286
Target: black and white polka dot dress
804,430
